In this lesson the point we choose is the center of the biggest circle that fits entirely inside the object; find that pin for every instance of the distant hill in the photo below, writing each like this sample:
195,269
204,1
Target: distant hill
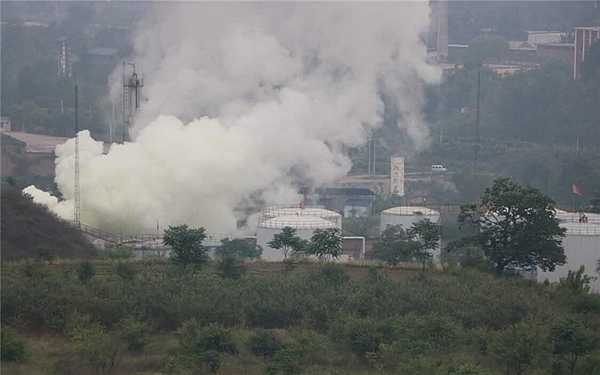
28,227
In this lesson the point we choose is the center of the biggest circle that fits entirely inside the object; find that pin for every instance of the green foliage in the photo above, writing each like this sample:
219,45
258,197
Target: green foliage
287,242
520,346
13,347
135,334
335,273
426,236
205,345
394,246
93,344
576,283
230,267
517,227
45,254
126,271
326,243
238,247
572,340
112,251
265,343
186,243
85,271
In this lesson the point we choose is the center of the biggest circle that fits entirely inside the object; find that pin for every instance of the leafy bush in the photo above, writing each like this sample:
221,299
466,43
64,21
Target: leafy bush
205,345
125,271
230,267
265,343
85,271
13,347
135,334
335,273
238,247
112,251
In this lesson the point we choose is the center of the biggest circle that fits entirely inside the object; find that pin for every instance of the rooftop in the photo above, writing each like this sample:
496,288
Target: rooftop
411,210
37,143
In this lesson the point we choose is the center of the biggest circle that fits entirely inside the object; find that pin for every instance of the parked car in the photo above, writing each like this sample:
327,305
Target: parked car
438,168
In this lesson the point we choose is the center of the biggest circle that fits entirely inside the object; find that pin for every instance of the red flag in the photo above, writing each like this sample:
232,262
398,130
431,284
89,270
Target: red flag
302,205
576,190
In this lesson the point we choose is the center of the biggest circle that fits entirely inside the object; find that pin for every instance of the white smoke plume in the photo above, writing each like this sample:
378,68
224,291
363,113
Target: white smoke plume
242,99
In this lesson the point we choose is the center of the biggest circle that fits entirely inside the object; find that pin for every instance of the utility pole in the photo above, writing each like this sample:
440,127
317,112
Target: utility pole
477,131
77,196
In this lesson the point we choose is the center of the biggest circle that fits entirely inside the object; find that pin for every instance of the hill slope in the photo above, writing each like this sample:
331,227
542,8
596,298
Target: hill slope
28,227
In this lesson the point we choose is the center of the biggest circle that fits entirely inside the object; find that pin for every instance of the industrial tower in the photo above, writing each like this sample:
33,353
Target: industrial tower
131,97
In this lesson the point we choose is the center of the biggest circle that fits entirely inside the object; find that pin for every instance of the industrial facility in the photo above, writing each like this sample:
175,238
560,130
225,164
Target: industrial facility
406,216
582,247
304,224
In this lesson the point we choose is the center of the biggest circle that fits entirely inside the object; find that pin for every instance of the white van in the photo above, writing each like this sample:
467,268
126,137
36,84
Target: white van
438,168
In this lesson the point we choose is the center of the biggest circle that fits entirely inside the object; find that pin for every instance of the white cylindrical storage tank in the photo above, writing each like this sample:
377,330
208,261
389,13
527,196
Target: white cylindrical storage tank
305,225
317,211
407,216
582,247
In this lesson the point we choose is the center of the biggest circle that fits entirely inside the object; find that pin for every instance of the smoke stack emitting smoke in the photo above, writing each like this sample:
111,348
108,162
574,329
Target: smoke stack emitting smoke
240,99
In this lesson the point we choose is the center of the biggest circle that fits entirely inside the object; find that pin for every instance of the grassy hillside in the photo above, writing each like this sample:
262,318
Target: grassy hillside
315,319
29,230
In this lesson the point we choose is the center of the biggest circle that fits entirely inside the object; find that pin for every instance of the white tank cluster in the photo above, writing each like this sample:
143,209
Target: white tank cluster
407,216
581,244
303,220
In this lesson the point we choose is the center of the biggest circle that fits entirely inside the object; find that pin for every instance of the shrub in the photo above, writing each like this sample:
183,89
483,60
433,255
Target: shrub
112,251
13,347
230,267
205,346
93,344
135,334
265,343
125,271
85,271
335,273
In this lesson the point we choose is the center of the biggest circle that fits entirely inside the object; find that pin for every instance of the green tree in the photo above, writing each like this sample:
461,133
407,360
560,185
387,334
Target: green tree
517,227
572,340
426,236
230,267
326,243
13,348
135,334
93,344
519,346
205,345
186,243
125,271
287,241
265,343
394,246
576,282
240,248
85,271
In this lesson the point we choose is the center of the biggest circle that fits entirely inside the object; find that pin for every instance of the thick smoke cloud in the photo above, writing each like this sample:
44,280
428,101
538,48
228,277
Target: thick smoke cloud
240,101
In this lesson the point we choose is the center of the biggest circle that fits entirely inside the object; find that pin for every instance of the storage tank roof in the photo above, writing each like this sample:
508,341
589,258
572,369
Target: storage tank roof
296,222
275,211
581,229
573,217
411,210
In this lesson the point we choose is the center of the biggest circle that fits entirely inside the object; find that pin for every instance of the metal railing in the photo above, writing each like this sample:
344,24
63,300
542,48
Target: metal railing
278,224
590,230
